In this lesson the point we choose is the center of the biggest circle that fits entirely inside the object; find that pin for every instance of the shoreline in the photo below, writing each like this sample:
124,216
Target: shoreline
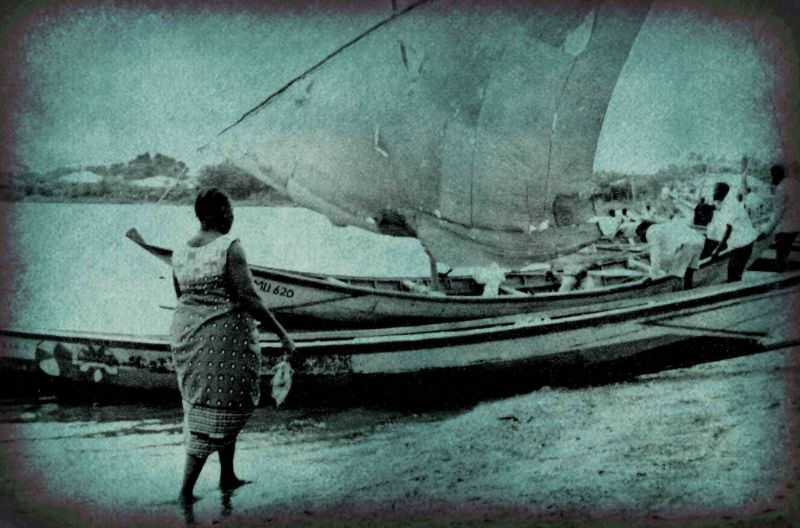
506,462
247,202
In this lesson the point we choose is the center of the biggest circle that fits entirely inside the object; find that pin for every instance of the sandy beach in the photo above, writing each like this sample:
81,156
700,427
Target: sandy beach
711,445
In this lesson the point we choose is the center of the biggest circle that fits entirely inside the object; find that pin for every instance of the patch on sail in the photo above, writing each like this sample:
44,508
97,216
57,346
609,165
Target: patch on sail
571,209
459,246
391,222
576,40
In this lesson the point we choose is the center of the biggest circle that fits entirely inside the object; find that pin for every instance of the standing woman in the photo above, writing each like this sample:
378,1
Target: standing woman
215,340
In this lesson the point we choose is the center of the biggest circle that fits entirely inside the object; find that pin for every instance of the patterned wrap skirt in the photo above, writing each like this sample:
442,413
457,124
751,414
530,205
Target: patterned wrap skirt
207,430
217,360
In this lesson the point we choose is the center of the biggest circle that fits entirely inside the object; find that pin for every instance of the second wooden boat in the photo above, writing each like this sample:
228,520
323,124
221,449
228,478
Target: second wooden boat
749,316
309,300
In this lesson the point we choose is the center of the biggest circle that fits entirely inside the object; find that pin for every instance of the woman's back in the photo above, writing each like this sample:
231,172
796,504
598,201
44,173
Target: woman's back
200,271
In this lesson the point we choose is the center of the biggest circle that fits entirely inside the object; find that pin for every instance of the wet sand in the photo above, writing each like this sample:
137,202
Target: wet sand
709,445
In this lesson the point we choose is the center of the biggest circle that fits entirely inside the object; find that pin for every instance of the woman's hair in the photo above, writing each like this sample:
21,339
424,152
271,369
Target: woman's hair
721,190
778,173
213,208
641,230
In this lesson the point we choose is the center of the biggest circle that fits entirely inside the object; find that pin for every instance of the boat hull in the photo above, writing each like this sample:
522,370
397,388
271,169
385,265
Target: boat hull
532,348
305,300
310,301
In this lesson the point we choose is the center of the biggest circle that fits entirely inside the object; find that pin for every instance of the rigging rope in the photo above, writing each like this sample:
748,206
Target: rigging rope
395,15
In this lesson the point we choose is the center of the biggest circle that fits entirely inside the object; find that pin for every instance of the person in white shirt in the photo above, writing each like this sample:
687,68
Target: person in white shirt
630,220
749,196
715,229
648,213
739,233
785,220
754,204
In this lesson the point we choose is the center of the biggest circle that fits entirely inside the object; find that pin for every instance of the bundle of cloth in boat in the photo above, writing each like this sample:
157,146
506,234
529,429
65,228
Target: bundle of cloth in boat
215,348
674,246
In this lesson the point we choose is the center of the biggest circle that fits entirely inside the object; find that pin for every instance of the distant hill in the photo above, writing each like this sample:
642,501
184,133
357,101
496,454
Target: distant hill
148,178
613,185
145,178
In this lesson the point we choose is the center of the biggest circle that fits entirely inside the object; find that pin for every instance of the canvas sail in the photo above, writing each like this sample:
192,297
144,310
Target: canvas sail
471,128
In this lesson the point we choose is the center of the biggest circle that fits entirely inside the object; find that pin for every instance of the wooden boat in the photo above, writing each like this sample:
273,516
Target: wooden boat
309,300
306,300
749,316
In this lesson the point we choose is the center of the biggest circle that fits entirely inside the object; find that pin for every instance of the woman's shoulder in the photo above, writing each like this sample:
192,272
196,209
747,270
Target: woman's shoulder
194,248
225,240
216,245
225,245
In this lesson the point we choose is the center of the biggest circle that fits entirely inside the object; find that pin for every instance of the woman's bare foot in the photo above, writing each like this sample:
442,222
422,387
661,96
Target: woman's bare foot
187,499
232,483
186,506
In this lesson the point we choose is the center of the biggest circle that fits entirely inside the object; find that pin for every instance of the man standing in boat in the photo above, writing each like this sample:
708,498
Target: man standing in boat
738,232
785,220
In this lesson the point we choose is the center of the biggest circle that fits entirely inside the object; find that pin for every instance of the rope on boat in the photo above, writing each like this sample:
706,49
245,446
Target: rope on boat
395,14
789,343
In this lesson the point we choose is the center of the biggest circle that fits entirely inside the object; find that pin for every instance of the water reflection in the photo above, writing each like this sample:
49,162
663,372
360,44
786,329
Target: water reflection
227,504
187,508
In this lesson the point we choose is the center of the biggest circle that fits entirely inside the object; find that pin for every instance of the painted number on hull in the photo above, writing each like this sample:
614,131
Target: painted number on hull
274,289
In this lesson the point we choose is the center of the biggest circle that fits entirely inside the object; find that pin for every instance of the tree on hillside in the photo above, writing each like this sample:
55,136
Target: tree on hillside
141,159
167,166
146,166
234,181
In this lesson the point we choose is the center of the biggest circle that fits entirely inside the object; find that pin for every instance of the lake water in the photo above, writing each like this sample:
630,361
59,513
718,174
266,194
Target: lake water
72,268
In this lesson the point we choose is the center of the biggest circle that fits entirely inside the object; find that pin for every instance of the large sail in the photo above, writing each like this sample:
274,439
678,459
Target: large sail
472,128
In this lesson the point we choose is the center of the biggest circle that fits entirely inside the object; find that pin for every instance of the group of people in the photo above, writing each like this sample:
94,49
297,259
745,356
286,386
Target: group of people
732,222
623,222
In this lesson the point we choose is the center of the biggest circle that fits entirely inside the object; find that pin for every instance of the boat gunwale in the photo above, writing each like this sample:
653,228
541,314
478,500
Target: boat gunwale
471,331
320,282
509,327
362,291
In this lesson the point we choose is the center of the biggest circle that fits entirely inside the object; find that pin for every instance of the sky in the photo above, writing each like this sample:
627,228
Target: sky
693,83
87,84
